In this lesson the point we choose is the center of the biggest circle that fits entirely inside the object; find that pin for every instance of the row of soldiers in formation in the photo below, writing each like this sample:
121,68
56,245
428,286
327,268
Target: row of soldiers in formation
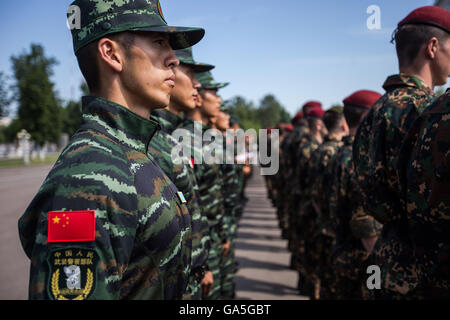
119,216
368,184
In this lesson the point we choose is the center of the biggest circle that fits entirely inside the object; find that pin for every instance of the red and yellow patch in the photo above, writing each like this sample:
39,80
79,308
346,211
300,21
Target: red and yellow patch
71,226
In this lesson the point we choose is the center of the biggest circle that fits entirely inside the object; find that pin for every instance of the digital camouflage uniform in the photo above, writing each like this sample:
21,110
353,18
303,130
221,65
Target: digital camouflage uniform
424,175
348,254
321,238
182,175
142,246
107,222
209,179
375,155
301,224
291,145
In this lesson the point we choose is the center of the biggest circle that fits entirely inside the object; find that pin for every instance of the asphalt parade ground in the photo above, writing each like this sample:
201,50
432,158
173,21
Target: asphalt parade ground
17,188
261,252
264,272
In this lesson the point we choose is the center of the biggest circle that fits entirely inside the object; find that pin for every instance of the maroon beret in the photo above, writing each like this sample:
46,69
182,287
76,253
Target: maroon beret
289,127
298,116
431,15
362,98
312,104
316,112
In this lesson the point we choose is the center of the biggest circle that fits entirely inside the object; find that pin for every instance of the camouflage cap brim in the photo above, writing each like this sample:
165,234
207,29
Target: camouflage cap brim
179,37
207,81
186,57
199,67
218,85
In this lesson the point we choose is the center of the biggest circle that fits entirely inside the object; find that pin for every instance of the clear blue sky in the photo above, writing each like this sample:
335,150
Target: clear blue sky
297,50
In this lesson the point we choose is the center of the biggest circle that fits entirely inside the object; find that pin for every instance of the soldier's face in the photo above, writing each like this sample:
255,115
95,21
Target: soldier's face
442,65
223,121
148,74
211,103
185,94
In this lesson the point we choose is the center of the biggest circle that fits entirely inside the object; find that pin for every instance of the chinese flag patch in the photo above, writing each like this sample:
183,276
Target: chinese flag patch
71,226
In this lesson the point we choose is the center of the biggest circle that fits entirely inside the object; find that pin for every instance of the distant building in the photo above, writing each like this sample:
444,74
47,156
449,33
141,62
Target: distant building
443,4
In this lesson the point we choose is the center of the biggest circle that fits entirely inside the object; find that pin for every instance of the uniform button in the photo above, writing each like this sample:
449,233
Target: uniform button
106,26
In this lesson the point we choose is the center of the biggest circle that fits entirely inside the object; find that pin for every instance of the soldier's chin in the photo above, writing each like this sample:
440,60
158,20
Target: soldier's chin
161,102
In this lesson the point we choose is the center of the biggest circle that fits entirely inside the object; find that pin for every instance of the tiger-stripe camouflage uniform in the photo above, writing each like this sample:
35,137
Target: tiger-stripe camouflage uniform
182,175
209,180
424,175
375,155
230,191
142,243
107,219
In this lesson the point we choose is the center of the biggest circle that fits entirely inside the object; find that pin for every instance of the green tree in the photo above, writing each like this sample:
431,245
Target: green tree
5,99
272,112
72,114
245,111
10,132
39,111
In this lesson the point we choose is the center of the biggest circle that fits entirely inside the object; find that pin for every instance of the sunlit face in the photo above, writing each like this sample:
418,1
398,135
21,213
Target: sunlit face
223,121
441,66
185,94
210,102
148,73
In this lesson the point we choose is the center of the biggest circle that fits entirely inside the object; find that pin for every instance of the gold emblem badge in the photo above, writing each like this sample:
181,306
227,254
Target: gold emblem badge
72,273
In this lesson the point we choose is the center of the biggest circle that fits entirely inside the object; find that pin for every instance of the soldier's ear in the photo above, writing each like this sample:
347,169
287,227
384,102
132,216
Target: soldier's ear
431,48
111,54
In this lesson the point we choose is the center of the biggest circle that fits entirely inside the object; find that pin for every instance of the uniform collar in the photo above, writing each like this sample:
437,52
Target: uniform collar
169,121
403,80
189,122
119,122
331,137
348,140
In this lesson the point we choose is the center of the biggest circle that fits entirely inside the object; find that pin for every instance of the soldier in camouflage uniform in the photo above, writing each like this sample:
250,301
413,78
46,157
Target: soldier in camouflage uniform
352,237
421,43
230,192
179,170
424,177
234,126
107,222
289,148
300,222
320,238
209,175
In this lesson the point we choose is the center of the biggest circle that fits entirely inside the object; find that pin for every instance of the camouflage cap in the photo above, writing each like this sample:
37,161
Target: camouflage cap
207,81
234,119
224,106
185,56
99,18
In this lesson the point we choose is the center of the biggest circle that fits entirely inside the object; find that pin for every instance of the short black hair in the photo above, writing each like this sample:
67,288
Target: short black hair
87,57
354,115
299,122
332,120
409,38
